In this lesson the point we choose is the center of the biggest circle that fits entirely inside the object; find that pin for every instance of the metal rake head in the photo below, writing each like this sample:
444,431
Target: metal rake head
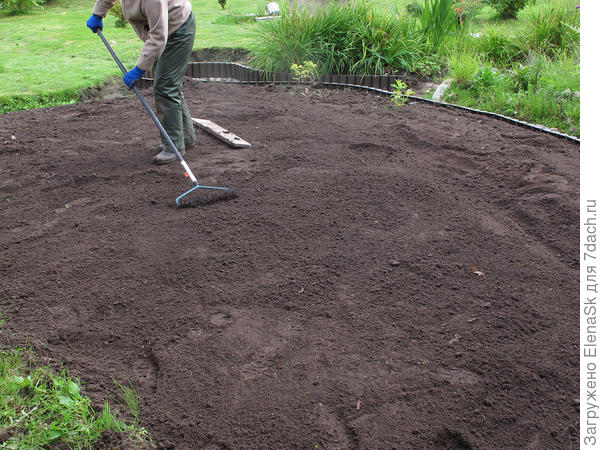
204,195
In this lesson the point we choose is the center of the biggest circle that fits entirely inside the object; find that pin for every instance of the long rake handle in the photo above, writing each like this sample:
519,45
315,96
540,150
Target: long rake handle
149,109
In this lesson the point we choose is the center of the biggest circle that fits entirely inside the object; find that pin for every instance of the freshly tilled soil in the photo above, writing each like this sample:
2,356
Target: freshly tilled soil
387,277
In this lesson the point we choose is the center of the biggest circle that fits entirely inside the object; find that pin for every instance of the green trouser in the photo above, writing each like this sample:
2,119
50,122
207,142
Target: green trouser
169,72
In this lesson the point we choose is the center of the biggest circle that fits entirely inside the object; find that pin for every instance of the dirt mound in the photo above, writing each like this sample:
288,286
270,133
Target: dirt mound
386,278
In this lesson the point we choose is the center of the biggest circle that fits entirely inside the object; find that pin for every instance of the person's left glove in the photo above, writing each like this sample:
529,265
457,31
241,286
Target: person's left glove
94,23
132,76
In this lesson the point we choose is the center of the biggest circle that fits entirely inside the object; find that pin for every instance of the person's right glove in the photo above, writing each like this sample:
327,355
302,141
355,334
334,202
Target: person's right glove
94,23
132,76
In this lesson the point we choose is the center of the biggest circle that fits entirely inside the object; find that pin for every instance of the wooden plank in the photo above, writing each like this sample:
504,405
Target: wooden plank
221,133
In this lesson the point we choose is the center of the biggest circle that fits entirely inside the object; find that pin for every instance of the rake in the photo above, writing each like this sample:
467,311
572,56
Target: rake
198,195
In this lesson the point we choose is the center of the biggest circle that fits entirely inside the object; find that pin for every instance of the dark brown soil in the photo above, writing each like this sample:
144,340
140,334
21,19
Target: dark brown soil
221,54
386,278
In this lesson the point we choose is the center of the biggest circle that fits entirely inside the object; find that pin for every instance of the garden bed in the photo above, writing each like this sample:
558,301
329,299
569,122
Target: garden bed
388,277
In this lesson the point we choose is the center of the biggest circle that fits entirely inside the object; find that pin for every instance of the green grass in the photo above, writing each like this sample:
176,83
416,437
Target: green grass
40,408
540,90
529,70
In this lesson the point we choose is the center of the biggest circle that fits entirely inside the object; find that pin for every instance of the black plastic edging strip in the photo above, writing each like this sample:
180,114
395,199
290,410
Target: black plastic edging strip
222,72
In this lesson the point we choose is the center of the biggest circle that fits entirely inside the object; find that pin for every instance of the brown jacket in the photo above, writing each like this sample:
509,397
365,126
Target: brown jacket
152,20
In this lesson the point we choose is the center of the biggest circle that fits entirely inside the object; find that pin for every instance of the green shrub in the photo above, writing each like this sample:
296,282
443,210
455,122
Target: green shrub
414,9
117,11
383,44
467,9
15,7
507,9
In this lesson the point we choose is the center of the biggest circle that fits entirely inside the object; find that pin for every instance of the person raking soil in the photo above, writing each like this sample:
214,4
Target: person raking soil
168,29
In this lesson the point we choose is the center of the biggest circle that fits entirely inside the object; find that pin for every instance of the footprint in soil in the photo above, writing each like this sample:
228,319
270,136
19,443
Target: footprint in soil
145,370
333,429
263,359
449,440
65,317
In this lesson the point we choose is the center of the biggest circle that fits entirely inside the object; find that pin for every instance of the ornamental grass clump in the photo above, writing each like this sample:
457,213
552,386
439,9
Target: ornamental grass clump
439,20
499,48
552,30
463,66
342,38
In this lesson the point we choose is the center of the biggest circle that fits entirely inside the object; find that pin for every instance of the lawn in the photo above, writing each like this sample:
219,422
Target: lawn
51,50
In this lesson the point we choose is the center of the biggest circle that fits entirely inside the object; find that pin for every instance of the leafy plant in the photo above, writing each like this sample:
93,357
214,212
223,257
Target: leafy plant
305,73
401,93
539,90
121,21
15,103
525,76
486,77
508,9
15,7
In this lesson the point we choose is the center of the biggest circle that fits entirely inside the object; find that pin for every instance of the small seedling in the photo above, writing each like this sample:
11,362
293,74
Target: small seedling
401,93
130,398
305,73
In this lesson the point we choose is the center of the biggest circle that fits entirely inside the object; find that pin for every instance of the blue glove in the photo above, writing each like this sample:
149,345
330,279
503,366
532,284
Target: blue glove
94,23
132,76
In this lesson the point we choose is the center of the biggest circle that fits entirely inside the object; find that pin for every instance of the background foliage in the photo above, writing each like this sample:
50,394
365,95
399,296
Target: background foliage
16,7
508,9
527,67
